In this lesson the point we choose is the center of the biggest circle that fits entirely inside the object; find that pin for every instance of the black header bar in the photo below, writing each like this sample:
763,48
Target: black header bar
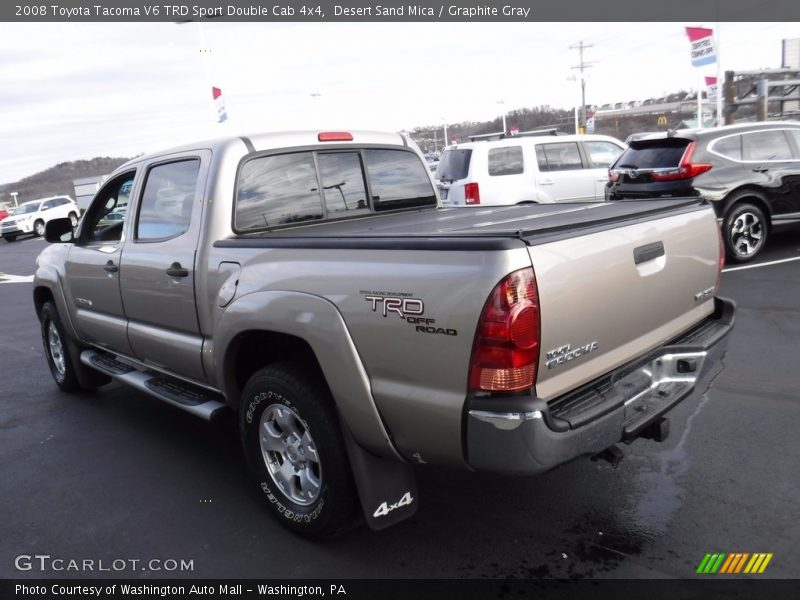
592,11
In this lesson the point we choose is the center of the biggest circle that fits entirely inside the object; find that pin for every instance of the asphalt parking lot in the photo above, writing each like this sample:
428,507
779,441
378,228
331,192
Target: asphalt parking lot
118,475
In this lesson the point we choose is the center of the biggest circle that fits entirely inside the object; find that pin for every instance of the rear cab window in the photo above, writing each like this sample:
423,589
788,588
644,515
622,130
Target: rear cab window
300,187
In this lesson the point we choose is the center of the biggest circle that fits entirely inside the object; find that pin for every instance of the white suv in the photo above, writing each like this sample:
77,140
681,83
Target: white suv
538,167
31,217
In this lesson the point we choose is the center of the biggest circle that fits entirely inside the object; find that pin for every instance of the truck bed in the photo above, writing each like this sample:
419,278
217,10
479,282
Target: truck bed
478,228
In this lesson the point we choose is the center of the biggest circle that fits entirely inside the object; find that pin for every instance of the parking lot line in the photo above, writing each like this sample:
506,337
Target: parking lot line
764,264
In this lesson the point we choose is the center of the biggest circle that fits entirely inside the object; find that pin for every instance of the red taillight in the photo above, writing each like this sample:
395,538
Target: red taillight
335,136
471,194
506,349
686,169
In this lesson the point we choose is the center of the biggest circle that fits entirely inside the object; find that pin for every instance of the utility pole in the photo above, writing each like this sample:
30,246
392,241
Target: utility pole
580,47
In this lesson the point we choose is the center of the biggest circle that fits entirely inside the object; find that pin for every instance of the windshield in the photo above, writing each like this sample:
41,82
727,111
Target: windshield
27,208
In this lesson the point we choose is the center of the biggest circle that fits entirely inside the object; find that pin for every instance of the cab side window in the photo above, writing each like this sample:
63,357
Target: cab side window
602,153
766,145
109,210
168,199
505,161
561,156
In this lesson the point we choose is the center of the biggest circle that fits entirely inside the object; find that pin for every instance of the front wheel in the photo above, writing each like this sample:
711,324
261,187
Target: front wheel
56,350
38,228
73,220
745,230
294,447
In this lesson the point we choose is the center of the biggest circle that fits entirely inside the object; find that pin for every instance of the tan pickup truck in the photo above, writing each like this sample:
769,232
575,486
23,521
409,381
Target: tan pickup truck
310,283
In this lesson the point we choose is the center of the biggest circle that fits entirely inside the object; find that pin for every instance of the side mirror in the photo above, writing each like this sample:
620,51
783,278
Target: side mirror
58,231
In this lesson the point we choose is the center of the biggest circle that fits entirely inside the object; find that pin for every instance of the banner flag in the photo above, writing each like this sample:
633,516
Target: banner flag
711,88
220,104
702,40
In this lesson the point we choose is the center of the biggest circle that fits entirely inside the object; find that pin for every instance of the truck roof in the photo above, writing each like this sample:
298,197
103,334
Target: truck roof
258,142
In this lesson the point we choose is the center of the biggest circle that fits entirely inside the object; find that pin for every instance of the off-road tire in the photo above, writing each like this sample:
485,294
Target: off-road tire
57,350
309,489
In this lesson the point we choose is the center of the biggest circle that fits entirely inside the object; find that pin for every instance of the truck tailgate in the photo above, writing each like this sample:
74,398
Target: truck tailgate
613,295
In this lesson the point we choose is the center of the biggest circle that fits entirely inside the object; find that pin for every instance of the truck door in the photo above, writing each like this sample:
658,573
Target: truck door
93,268
158,268
563,176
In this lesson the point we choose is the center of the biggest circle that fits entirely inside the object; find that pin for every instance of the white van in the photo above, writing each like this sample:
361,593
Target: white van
538,167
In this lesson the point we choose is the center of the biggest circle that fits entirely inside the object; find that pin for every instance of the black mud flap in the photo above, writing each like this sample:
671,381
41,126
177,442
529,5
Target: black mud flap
387,488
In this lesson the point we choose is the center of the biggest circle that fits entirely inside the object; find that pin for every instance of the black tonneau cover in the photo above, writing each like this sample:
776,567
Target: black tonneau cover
468,228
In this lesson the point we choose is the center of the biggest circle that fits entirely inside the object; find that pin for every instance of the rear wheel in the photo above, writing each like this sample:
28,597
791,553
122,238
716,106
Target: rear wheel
746,230
294,448
38,228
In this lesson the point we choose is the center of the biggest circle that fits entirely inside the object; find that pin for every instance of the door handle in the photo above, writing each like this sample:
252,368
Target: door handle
760,169
546,182
110,267
176,270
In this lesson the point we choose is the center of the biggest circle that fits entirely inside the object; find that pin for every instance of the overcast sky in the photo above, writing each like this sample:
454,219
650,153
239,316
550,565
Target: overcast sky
79,90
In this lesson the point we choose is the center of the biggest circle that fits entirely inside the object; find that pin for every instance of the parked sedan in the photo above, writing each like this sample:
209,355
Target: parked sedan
750,173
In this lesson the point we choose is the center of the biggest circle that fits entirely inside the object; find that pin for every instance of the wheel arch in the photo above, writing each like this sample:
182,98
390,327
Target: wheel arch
751,195
254,349
260,328
42,294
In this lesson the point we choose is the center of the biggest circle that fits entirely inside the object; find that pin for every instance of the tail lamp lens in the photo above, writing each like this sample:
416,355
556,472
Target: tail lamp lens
686,168
506,348
472,194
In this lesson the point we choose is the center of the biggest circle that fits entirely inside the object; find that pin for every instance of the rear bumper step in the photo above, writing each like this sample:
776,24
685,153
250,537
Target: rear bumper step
197,401
526,435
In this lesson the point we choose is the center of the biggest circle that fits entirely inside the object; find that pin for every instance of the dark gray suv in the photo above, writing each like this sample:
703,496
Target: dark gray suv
749,172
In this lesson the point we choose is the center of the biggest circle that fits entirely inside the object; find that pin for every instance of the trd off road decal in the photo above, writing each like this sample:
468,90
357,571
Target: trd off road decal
406,307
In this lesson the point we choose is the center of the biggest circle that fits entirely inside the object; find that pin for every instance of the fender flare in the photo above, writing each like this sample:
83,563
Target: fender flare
319,323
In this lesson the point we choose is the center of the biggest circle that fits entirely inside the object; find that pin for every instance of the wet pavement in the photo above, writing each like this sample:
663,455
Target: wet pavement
118,475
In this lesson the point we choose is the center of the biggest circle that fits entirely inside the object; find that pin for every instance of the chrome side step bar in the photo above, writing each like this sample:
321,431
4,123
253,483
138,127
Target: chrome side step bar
195,400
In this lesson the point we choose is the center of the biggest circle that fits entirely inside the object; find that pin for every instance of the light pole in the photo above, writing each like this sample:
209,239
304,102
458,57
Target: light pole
582,66
577,125
14,195
501,101
444,144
